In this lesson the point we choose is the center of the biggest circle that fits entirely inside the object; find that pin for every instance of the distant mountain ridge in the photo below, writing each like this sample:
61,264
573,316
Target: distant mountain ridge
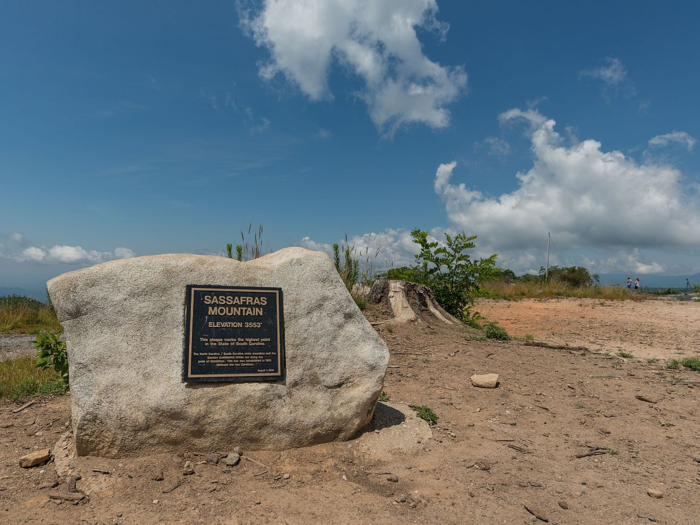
651,280
8,290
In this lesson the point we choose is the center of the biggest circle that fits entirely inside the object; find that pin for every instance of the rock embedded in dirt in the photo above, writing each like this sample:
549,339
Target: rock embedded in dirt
563,504
646,399
536,512
35,458
393,478
656,494
485,380
233,459
124,326
188,469
212,459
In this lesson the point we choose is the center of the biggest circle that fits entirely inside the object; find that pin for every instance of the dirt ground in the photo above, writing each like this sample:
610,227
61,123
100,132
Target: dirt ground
493,454
661,329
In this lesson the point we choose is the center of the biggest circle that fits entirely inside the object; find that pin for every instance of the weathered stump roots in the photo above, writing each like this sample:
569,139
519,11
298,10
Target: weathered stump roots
408,302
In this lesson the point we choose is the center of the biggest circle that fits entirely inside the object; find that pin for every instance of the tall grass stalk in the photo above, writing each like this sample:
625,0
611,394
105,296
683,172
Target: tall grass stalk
250,248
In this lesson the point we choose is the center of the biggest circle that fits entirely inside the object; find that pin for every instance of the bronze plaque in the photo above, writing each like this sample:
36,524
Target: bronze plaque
233,334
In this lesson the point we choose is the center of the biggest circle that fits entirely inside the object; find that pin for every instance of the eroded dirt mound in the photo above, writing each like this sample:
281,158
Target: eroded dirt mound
572,436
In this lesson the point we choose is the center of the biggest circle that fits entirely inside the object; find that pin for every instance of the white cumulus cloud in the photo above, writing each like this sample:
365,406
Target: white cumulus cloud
17,237
679,137
123,253
392,247
34,254
63,254
584,196
374,40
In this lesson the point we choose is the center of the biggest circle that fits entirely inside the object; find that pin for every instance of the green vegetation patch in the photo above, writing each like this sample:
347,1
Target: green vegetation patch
19,314
493,331
693,363
426,414
20,378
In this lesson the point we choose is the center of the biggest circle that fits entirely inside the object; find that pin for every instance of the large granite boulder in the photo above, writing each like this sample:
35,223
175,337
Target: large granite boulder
124,325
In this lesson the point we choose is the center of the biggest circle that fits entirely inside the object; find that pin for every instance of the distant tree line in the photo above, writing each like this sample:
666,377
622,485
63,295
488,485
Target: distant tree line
573,276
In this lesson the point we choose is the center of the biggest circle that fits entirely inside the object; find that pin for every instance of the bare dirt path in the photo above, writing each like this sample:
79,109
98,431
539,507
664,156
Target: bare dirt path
649,329
15,346
493,454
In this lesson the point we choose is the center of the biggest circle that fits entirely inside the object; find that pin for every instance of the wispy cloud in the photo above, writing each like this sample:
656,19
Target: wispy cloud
115,109
677,137
614,76
494,146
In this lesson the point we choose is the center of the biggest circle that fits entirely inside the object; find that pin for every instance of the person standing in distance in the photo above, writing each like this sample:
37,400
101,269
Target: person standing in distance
636,284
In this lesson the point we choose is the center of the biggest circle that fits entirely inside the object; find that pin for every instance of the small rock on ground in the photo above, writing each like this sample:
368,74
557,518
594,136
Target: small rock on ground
232,459
656,494
35,458
485,380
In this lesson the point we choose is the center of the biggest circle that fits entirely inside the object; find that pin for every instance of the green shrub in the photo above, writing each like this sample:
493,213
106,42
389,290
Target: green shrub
348,268
493,331
451,274
425,413
361,302
691,362
383,397
51,354
574,276
403,274
673,364
624,354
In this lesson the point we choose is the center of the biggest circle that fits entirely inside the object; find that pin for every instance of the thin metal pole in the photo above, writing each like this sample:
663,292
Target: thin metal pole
546,272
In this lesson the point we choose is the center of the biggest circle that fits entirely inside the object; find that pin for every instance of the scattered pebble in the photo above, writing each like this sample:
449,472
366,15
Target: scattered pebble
656,494
393,478
485,380
188,469
232,459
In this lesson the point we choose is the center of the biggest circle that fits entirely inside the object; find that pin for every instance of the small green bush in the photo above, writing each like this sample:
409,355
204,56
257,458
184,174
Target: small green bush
673,364
624,354
452,274
51,354
383,397
361,302
493,331
691,362
426,414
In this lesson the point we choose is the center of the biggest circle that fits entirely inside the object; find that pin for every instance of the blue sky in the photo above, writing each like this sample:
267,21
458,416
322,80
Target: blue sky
132,128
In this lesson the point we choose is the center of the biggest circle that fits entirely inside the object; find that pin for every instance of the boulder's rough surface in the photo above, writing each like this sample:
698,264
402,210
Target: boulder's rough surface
124,325
485,380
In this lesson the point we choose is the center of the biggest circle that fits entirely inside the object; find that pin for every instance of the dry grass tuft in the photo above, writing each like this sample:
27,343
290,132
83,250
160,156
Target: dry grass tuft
25,315
20,378
516,291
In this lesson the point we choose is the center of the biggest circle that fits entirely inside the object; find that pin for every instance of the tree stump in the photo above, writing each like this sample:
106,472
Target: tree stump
408,302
